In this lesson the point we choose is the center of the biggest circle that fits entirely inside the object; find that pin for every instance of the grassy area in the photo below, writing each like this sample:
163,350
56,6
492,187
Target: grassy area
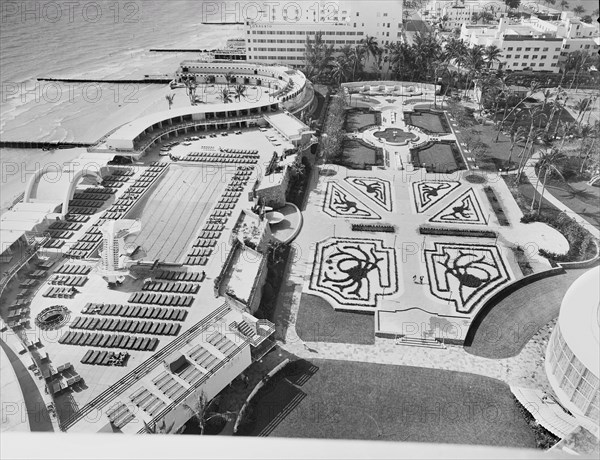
438,157
317,321
358,155
580,197
428,121
505,329
580,246
357,119
351,400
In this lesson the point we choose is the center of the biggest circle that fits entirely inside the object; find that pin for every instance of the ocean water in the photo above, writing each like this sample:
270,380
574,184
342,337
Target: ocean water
108,41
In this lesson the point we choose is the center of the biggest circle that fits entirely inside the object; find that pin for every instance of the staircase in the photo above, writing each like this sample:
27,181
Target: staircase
246,329
413,341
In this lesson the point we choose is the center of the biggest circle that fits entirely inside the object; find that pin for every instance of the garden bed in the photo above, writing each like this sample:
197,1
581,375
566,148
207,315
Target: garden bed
430,122
385,228
581,244
357,154
438,157
460,232
491,196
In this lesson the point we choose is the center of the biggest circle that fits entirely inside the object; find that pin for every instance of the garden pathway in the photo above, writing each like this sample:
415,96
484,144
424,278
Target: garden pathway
539,187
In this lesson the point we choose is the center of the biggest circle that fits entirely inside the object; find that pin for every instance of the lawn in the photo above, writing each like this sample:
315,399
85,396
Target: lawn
317,321
438,157
357,155
350,400
580,197
358,119
506,328
428,121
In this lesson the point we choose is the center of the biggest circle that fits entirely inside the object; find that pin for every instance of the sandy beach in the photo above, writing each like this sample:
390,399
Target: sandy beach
84,113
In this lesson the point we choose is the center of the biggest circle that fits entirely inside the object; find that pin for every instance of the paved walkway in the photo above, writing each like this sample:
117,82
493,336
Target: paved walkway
539,187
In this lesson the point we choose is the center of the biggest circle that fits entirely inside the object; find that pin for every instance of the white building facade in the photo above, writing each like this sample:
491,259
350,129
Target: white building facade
572,357
283,41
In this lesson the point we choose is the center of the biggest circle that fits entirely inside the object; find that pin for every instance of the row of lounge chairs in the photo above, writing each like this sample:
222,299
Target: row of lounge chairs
85,210
62,225
86,203
89,237
147,401
172,300
196,277
54,243
234,159
102,195
242,151
61,234
129,326
98,339
79,218
68,280
105,358
174,287
135,311
119,415
63,292
73,269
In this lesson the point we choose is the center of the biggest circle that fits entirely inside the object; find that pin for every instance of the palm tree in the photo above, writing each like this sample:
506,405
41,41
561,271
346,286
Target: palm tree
169,98
533,88
594,134
564,5
549,162
517,135
225,96
579,10
240,91
371,47
492,54
202,411
160,427
474,60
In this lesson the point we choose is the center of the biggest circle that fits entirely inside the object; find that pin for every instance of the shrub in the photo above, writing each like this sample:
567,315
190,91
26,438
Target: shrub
581,245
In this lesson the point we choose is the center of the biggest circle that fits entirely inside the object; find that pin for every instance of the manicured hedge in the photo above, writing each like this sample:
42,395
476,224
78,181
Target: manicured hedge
489,192
385,228
428,230
581,245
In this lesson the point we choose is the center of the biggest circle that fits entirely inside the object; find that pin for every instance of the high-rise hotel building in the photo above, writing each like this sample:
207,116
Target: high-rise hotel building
279,34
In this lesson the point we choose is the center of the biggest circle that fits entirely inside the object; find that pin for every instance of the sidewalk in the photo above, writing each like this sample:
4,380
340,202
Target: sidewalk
538,186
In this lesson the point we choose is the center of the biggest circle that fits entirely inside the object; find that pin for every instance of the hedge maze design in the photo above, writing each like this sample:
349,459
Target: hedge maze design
341,203
466,209
464,274
428,192
378,190
353,272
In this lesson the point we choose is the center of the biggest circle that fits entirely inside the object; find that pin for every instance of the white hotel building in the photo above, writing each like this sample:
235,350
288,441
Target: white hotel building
534,44
280,38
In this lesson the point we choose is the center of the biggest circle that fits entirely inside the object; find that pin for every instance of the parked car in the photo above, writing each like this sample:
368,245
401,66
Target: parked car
194,138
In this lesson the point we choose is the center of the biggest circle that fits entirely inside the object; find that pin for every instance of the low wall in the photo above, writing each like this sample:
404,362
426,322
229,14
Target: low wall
505,292
399,84
258,386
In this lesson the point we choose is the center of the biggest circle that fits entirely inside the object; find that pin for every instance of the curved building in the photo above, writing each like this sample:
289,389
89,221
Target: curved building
572,356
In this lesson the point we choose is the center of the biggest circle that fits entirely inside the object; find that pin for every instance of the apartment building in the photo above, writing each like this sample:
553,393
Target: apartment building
452,14
283,41
535,44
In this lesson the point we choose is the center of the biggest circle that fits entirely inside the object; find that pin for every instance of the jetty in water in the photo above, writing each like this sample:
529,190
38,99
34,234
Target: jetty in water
42,145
